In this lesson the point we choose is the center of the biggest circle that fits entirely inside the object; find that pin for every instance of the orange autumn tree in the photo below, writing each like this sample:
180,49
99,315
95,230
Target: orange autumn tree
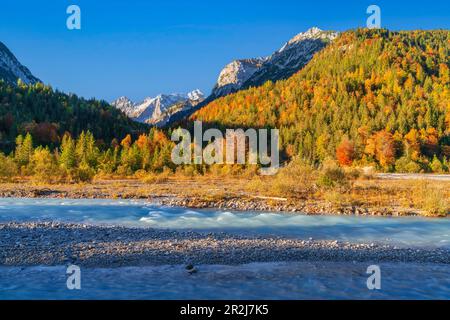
126,142
412,144
143,142
345,152
381,145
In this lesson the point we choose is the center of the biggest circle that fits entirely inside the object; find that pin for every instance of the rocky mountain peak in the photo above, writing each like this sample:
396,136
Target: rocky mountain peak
311,34
290,58
12,70
233,76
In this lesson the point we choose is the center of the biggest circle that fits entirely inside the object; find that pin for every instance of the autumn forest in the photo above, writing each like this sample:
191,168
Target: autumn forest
371,98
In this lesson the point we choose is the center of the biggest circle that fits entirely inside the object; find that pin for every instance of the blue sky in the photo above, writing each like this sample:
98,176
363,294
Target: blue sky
142,48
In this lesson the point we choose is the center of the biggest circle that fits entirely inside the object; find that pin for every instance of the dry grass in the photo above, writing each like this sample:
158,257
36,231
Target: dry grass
296,180
296,183
156,178
432,198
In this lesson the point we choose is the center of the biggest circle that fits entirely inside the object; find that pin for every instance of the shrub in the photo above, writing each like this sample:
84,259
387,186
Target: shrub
436,165
250,171
8,168
140,174
295,179
432,199
124,170
188,171
83,173
161,177
406,165
332,176
215,170
353,173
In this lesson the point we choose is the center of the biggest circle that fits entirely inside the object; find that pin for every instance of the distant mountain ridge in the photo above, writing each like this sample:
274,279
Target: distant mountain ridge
166,109
158,110
11,70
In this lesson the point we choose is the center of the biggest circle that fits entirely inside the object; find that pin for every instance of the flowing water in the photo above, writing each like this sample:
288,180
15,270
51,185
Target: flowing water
283,280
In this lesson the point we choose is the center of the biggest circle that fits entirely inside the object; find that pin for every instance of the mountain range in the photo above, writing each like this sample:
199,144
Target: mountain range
158,110
237,75
166,109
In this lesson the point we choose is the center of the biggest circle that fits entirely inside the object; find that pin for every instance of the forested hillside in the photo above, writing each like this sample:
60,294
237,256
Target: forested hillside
48,114
373,97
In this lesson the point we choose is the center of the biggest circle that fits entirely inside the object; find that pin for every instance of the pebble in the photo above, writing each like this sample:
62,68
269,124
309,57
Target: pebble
54,244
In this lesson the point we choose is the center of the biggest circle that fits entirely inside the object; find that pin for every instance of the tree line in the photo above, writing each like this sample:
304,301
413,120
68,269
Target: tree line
80,159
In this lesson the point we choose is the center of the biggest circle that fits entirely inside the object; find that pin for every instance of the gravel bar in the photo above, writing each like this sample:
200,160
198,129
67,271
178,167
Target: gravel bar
54,243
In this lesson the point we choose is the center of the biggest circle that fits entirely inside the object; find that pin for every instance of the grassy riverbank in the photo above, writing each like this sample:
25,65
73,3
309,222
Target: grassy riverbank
293,189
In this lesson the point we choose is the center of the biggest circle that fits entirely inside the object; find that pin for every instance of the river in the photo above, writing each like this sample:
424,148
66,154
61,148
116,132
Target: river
279,280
